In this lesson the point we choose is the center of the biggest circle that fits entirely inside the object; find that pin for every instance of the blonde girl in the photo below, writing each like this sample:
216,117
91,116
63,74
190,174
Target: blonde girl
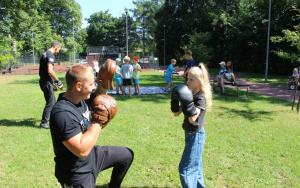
190,167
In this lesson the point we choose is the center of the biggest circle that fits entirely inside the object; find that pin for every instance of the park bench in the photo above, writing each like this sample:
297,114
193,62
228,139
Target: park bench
31,70
237,85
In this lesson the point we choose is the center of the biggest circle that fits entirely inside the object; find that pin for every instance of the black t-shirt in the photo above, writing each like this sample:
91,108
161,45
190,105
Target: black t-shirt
47,57
200,102
67,120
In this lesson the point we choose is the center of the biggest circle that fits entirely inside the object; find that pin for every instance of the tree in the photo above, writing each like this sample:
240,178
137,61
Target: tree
291,38
100,29
145,22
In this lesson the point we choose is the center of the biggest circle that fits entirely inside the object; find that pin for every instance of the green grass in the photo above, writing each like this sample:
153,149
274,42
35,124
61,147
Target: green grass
277,80
250,142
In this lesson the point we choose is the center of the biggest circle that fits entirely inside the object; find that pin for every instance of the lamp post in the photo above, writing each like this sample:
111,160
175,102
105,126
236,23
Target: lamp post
268,42
32,47
73,40
126,11
164,45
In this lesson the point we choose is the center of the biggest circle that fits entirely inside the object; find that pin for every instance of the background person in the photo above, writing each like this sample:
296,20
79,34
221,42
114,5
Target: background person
294,79
95,67
220,77
74,133
136,75
229,76
229,64
118,76
189,64
47,79
126,71
195,99
168,75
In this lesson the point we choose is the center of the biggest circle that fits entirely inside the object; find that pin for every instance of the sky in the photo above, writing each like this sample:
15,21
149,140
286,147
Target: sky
115,7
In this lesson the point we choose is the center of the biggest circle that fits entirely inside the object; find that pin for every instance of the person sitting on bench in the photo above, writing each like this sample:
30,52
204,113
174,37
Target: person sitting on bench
229,76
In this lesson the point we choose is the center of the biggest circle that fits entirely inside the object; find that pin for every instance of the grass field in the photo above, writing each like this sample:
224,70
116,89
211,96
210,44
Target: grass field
277,80
250,142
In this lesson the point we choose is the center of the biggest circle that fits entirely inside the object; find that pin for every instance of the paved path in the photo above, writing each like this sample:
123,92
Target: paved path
261,88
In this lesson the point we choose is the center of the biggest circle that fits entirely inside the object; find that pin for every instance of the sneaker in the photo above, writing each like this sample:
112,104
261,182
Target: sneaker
44,125
138,94
223,92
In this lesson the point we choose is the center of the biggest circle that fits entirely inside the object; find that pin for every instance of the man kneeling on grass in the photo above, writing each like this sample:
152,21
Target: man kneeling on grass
78,161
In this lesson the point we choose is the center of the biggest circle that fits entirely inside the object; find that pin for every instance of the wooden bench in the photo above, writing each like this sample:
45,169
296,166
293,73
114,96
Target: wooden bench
238,86
29,70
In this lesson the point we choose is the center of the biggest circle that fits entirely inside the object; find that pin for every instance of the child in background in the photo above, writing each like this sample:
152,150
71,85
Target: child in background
118,76
126,71
168,75
197,100
294,79
229,76
95,67
220,77
136,75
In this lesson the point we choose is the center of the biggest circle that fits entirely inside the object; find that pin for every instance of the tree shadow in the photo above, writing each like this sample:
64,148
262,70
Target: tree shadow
30,122
231,96
107,185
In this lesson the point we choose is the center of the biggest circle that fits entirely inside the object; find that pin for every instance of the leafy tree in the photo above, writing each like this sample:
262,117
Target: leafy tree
101,25
199,44
145,22
292,38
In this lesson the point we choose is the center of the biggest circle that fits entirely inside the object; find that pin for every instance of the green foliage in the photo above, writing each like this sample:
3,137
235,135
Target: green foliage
235,27
49,21
200,47
293,38
145,22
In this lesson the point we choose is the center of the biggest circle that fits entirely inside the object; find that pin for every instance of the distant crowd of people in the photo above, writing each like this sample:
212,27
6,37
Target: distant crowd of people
126,74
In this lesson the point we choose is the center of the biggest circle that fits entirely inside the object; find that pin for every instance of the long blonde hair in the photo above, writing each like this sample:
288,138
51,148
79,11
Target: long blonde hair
202,74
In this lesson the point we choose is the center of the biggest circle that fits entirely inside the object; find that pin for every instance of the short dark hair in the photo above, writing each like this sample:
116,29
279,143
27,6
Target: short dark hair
76,73
189,52
56,44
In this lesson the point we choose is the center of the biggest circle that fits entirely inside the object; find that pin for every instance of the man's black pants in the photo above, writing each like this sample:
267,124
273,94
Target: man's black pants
120,158
49,96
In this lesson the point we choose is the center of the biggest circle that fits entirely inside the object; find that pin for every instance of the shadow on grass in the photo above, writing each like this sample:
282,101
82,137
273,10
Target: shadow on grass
30,122
107,185
249,114
231,96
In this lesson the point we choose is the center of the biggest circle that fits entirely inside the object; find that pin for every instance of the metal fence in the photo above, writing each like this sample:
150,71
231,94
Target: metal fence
149,62
11,59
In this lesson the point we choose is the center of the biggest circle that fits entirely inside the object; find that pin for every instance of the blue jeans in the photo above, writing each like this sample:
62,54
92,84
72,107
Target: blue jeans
190,167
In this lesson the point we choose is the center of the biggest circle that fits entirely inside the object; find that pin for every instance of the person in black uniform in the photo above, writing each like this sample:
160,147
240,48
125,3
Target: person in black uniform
78,161
47,77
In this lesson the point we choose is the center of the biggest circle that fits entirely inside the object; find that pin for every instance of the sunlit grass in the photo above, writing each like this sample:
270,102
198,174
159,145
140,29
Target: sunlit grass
250,142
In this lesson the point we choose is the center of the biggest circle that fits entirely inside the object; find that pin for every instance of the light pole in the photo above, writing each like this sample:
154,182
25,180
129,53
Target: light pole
32,47
126,11
268,42
164,45
73,40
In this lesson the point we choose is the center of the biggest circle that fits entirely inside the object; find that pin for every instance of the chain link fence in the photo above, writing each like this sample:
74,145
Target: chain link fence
12,60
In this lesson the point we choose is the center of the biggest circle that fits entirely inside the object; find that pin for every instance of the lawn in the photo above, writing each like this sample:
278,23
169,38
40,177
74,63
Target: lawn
250,142
277,80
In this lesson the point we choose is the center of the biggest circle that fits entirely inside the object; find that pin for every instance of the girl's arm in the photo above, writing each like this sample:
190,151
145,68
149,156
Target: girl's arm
194,118
178,113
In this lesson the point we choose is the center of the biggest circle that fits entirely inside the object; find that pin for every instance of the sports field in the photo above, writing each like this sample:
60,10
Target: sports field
250,142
